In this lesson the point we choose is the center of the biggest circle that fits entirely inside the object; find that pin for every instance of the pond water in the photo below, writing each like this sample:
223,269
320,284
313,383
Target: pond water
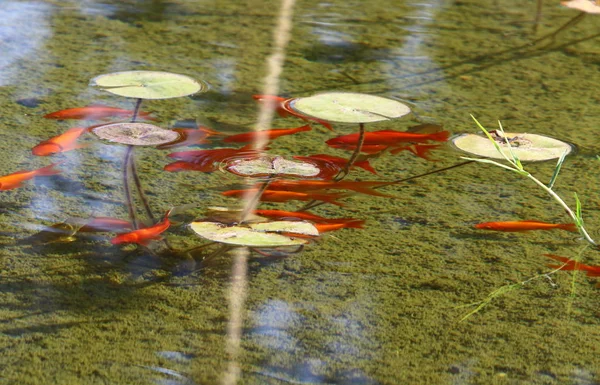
381,305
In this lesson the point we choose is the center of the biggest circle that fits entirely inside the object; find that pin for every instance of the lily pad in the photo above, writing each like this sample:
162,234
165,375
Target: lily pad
349,107
148,84
261,235
587,6
135,134
266,165
527,147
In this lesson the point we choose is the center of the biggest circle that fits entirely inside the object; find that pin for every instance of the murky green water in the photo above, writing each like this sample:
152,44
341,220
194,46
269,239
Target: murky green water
380,305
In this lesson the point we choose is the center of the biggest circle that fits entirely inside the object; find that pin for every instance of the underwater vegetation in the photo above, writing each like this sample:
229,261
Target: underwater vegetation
303,179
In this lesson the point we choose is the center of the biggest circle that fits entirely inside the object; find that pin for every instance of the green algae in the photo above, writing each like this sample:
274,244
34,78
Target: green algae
379,305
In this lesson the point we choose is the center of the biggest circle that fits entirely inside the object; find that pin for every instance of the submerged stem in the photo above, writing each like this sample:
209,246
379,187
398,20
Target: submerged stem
128,199
355,154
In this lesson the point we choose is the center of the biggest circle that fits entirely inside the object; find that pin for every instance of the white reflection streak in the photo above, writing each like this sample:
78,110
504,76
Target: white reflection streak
23,28
237,293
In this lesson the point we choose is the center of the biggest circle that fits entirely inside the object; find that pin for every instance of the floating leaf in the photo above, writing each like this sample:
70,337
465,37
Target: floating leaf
135,134
148,84
348,107
526,147
266,165
261,235
587,6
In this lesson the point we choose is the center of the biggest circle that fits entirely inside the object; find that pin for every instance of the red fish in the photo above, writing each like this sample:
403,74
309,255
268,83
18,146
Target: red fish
367,149
389,138
285,196
102,224
519,226
95,112
16,179
340,162
420,150
365,187
206,160
569,264
302,215
144,236
282,108
190,137
268,134
182,165
60,143
324,227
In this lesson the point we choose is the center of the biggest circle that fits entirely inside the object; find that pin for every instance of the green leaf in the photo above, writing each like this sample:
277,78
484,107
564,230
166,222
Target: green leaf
349,107
148,84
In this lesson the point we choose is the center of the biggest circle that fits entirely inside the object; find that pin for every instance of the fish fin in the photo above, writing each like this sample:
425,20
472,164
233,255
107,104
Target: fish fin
441,136
358,224
569,227
48,170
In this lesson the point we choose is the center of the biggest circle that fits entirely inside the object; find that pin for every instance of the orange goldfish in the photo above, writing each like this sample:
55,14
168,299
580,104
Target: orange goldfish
182,165
16,179
95,112
420,150
324,227
340,162
282,108
268,134
60,143
569,264
389,138
285,196
365,187
144,236
365,148
518,226
190,137
302,215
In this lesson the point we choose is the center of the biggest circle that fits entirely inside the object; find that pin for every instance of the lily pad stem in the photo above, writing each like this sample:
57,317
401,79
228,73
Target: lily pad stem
252,202
128,200
361,140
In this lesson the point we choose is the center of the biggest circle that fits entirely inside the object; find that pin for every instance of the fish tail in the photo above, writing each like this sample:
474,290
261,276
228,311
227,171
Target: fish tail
359,224
568,264
48,170
441,136
366,166
331,198
424,151
569,227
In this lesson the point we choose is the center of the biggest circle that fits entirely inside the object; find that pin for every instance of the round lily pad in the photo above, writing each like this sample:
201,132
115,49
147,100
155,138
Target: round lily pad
135,134
148,84
261,235
527,147
349,107
267,165
587,6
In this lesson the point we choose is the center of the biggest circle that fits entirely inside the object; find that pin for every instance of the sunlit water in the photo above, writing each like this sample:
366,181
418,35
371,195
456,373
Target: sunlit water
381,305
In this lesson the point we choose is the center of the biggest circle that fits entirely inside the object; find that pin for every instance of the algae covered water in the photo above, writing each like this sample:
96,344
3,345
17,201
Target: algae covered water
382,304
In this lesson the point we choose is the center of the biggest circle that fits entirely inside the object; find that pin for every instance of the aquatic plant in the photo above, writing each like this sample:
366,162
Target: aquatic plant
513,155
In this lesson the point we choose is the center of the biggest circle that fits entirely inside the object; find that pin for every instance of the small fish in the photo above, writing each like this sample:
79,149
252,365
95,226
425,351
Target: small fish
95,112
285,196
518,226
338,161
365,187
267,134
420,150
324,227
144,236
105,224
301,215
66,141
16,179
190,137
282,108
206,160
389,138
182,165
365,148
569,264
